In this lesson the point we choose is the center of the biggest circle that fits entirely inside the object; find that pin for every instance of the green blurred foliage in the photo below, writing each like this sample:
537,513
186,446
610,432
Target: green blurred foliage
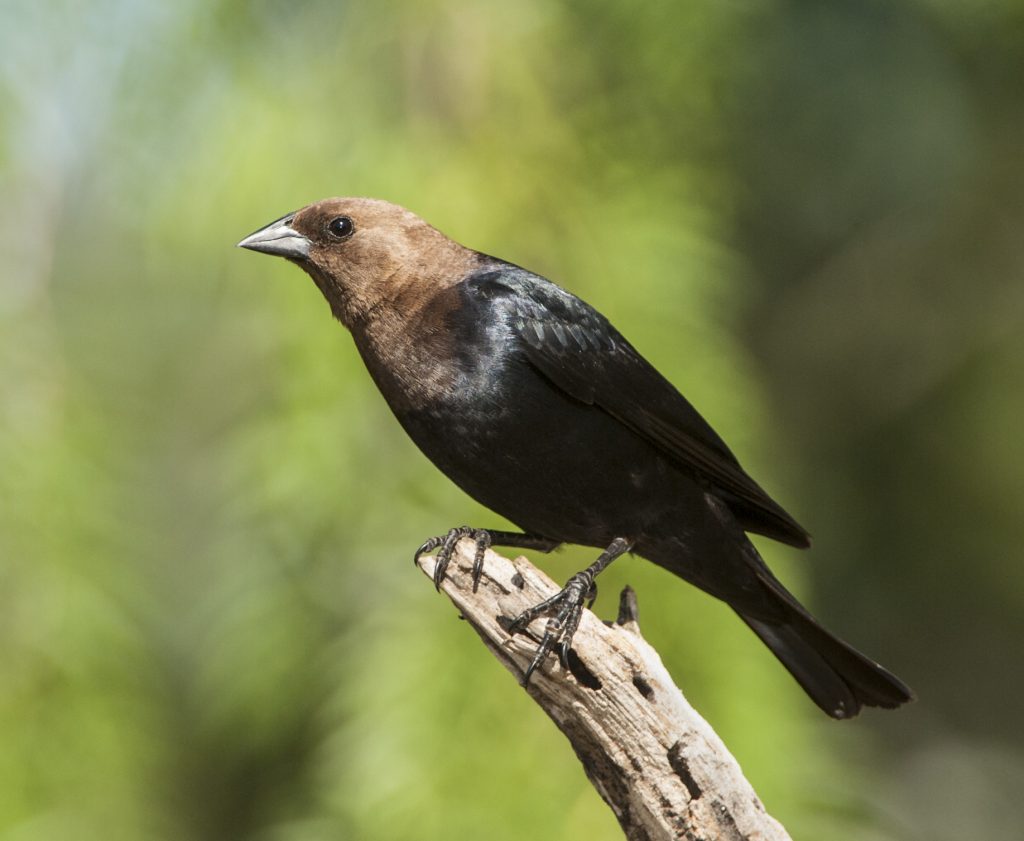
808,215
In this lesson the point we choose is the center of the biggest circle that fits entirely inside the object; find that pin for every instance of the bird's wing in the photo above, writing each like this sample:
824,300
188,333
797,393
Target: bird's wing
578,350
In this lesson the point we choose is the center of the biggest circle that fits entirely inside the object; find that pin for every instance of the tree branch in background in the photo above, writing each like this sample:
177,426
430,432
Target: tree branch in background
651,757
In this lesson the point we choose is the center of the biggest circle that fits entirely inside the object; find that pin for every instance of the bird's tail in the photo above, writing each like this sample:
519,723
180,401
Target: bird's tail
836,676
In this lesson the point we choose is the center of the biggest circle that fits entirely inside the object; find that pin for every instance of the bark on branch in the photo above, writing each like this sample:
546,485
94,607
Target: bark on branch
651,757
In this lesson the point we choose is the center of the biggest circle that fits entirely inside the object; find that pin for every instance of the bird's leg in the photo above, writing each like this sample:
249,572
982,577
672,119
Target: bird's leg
484,539
565,608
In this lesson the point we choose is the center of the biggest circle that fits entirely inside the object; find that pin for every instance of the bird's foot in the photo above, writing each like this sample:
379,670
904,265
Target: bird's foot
446,544
564,609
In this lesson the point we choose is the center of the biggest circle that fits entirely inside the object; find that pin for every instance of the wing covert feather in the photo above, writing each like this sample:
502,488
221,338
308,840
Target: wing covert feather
578,350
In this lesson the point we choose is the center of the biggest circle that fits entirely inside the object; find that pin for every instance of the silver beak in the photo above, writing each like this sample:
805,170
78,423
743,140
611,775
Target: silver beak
278,238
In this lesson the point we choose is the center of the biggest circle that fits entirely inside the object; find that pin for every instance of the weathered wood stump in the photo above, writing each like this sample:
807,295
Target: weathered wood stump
651,757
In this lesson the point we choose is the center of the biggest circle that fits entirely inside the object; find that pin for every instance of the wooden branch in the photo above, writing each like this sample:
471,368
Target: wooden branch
651,757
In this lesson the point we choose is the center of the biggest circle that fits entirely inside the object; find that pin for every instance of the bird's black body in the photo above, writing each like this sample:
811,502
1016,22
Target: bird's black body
555,464
559,464
537,407
567,419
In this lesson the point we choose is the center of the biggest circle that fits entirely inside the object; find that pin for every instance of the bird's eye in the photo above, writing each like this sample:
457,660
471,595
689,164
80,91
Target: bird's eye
341,227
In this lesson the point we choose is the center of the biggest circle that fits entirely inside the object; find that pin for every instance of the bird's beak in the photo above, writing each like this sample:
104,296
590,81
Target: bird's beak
278,238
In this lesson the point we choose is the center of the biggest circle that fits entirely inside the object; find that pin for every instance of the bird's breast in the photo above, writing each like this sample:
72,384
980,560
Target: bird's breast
548,463
463,388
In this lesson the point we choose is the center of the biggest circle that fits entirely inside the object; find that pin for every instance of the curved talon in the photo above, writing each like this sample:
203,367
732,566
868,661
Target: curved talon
563,654
444,556
567,609
483,543
538,658
446,547
427,546
440,568
484,539
570,631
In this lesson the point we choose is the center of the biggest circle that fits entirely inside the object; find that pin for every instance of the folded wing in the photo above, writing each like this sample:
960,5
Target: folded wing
579,351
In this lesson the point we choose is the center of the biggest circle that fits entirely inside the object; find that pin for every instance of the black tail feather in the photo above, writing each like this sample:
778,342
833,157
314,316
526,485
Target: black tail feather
837,677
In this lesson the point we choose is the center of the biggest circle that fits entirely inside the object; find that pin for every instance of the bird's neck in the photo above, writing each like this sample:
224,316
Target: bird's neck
399,318
404,342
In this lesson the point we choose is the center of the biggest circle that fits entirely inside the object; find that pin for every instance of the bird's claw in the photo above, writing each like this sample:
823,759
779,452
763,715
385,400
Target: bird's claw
565,610
446,544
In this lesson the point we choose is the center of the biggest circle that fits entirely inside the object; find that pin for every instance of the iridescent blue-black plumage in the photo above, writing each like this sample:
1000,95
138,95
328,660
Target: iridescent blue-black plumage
584,356
535,405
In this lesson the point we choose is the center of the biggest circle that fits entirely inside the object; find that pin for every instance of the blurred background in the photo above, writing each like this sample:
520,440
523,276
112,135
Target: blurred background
807,215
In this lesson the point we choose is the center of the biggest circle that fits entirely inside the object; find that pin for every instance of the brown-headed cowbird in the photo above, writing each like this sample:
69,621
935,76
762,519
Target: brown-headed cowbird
536,406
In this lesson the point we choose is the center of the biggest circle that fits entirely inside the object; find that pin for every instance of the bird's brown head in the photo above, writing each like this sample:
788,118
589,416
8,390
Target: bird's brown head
365,254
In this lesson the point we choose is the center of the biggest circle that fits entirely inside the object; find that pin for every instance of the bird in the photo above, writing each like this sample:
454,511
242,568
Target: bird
536,406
